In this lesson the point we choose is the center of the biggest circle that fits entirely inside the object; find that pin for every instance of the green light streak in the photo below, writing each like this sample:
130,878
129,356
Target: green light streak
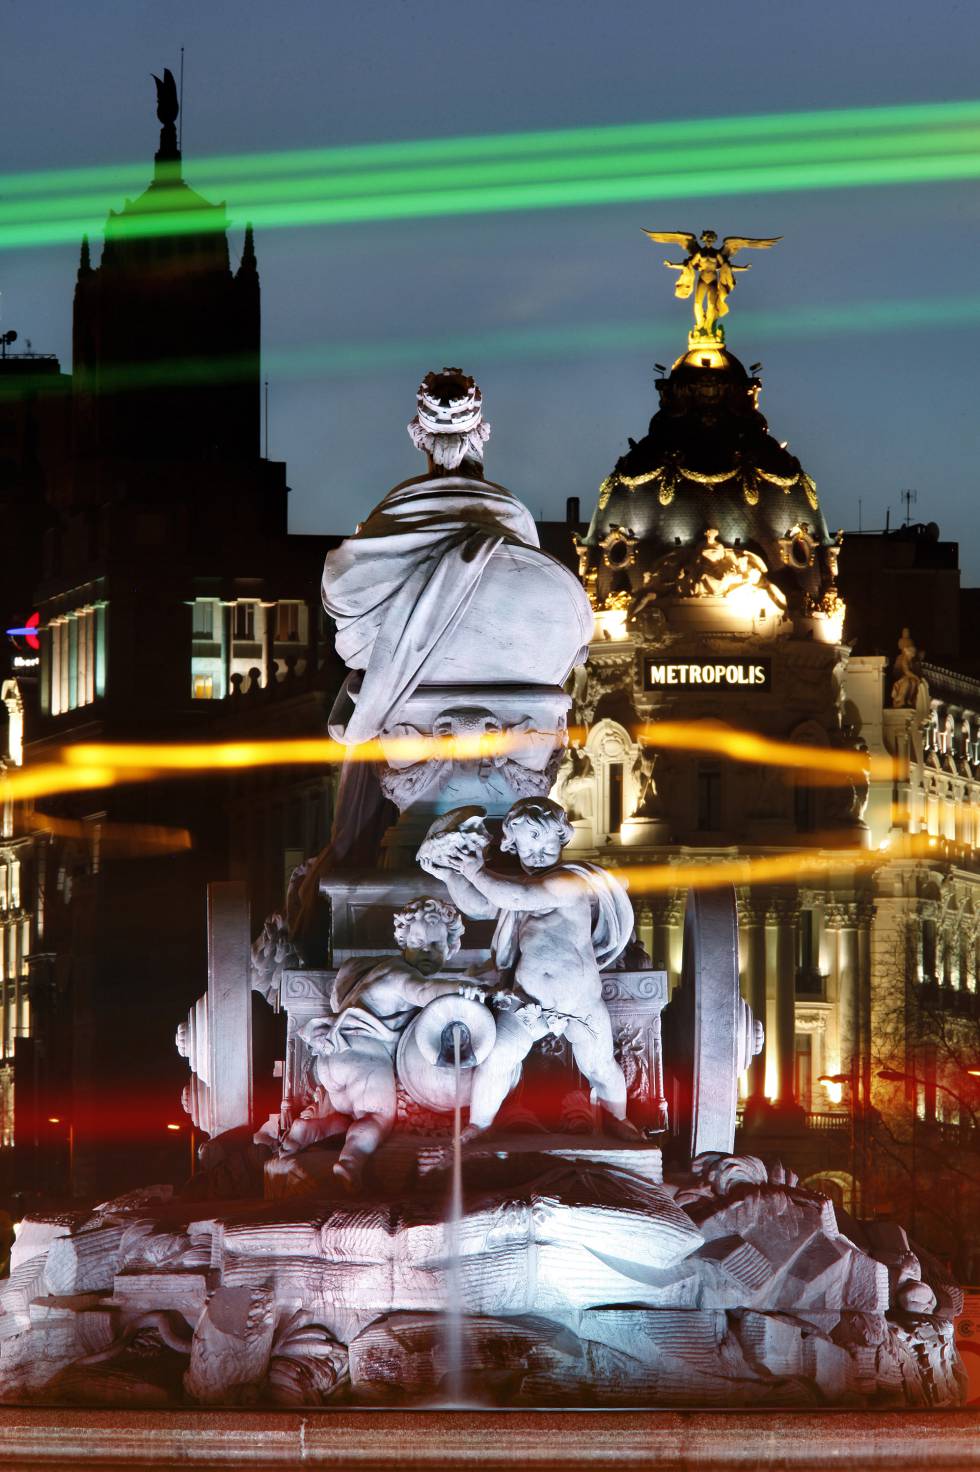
581,340
697,183
291,192
573,140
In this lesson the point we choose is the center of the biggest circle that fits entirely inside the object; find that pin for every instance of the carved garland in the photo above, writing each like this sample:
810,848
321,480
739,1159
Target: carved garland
668,472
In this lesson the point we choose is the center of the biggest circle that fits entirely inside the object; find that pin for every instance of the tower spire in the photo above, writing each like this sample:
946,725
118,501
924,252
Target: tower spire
84,259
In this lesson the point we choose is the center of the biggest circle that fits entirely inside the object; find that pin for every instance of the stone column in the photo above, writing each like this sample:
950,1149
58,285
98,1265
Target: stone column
842,919
268,629
782,919
752,956
226,611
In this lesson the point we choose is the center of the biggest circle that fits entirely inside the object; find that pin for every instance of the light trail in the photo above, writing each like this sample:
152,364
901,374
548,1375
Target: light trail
586,339
748,746
703,130
707,157
286,189
763,869
84,766
128,838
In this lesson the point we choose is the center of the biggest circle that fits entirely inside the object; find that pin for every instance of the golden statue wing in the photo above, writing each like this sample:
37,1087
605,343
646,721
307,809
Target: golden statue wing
732,243
674,237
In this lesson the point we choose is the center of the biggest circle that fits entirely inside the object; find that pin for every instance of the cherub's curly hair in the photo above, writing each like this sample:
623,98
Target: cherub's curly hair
535,810
428,906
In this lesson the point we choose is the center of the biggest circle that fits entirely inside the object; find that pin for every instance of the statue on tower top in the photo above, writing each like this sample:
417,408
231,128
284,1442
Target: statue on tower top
708,273
168,106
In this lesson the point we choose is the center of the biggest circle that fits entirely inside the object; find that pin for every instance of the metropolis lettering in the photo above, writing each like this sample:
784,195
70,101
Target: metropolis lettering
732,674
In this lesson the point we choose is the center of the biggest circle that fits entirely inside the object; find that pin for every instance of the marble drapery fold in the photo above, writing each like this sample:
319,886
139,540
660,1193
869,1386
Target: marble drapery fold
398,588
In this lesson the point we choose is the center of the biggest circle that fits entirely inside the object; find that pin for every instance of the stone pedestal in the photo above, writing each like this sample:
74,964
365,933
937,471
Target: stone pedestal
523,732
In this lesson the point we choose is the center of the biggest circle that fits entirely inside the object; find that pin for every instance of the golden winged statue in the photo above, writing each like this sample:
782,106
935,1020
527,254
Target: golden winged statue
708,273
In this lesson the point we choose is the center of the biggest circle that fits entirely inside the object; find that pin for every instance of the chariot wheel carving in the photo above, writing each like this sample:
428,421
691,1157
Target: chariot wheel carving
710,1033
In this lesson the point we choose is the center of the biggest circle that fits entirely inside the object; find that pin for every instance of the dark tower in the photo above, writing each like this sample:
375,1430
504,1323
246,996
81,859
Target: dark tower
166,333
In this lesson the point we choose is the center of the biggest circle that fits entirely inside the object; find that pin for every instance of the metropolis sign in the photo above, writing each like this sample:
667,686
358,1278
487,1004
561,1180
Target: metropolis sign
730,674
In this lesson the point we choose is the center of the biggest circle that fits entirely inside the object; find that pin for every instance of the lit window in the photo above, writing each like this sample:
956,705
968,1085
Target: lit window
203,687
287,623
203,619
709,799
244,620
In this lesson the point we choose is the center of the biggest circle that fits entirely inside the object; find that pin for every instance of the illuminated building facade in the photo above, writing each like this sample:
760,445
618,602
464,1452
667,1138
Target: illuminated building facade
720,596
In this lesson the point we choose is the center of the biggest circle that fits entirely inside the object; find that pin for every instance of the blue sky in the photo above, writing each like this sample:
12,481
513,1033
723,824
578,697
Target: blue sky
868,408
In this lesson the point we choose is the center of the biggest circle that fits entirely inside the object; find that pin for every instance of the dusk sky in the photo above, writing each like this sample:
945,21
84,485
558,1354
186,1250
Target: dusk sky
560,313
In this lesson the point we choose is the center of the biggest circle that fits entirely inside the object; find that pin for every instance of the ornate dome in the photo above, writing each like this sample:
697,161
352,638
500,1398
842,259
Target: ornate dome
707,461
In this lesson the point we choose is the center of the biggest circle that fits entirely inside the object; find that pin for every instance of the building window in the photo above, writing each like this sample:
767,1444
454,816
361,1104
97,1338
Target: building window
803,1070
203,619
287,623
203,687
615,779
244,621
709,798
804,807
808,976
929,950
77,655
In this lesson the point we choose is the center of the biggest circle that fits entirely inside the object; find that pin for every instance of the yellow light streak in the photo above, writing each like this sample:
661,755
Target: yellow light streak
50,779
746,746
88,766
130,838
764,869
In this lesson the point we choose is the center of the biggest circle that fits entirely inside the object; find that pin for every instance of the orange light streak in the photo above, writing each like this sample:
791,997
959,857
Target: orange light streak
747,746
766,869
88,766
126,837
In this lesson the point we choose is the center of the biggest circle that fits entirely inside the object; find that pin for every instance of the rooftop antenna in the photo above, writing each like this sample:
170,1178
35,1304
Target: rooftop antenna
180,104
910,498
267,419
859,513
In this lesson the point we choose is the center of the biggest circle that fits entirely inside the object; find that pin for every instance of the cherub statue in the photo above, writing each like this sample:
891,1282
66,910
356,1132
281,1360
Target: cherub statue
557,924
707,271
373,1000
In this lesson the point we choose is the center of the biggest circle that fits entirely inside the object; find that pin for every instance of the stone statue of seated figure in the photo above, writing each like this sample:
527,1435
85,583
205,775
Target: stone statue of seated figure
557,924
374,998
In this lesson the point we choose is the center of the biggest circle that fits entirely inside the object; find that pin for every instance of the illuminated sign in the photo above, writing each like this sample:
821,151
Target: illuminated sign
717,674
25,662
28,632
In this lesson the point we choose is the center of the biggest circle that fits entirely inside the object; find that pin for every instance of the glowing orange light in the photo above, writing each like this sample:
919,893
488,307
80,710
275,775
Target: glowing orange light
84,767
173,1126
747,746
54,1119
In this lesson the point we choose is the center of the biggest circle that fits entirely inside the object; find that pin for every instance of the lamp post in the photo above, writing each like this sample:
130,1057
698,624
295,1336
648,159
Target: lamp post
853,1080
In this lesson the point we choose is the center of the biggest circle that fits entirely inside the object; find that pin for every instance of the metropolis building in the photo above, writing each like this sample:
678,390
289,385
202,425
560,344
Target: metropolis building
719,596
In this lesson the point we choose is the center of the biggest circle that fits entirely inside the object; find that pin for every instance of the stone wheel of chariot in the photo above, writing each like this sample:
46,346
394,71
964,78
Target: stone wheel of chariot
711,1035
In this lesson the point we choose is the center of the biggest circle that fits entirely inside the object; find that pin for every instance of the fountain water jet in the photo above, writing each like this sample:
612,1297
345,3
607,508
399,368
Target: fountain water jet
455,1375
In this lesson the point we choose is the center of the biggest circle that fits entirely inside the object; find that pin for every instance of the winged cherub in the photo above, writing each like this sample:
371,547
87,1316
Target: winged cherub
708,271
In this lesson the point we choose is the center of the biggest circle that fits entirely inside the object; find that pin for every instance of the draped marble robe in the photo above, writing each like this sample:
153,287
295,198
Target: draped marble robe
400,586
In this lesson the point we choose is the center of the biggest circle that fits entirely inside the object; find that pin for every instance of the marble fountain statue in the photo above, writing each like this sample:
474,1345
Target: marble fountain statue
503,1169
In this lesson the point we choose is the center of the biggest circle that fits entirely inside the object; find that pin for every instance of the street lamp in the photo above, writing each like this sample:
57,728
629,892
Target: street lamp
852,1079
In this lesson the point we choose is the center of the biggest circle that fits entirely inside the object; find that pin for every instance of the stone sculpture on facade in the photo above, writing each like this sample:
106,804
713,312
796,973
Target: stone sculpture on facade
907,671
